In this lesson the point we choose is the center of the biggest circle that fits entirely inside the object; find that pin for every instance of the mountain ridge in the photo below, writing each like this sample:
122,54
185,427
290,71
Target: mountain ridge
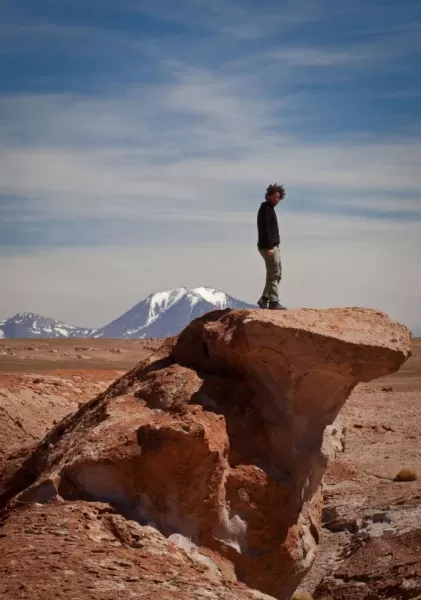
161,314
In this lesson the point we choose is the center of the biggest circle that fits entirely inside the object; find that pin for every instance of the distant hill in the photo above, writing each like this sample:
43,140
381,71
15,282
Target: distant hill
160,315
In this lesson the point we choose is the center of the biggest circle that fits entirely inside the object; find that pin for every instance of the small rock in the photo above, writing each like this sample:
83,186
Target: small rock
381,517
329,513
387,428
350,524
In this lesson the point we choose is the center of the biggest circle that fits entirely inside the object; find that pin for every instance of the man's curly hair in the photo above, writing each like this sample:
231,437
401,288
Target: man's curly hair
275,187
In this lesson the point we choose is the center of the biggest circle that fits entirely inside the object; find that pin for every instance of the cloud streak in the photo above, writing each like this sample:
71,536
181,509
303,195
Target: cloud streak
160,129
122,147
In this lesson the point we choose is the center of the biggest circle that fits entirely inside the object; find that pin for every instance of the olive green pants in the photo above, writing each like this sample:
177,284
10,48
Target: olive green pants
273,274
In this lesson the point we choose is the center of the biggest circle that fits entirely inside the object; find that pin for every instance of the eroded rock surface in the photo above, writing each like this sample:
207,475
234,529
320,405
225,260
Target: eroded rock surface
31,404
219,439
87,551
381,567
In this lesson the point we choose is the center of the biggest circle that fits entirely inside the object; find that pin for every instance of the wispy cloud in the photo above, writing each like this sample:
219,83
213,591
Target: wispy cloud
170,141
197,149
159,126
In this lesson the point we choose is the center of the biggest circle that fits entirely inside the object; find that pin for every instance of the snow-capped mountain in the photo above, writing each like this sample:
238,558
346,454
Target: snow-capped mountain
167,313
30,325
160,315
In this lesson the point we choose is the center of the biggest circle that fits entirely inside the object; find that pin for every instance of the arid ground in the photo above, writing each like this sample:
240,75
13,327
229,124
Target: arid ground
41,381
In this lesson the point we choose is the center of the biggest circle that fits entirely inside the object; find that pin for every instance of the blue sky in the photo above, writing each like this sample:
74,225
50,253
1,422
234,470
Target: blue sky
137,139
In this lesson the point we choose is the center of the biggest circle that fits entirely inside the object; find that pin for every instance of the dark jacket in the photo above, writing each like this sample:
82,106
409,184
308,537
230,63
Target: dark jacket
267,227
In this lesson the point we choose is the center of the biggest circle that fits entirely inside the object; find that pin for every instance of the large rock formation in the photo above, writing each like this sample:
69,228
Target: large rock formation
217,443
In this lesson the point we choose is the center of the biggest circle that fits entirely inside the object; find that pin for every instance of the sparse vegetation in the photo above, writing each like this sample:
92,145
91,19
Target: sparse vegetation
406,475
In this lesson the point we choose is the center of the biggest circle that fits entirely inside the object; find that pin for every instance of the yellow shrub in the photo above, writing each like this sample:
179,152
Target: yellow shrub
406,475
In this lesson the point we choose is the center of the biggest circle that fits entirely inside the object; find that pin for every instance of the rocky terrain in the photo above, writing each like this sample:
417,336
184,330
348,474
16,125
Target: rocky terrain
197,474
371,539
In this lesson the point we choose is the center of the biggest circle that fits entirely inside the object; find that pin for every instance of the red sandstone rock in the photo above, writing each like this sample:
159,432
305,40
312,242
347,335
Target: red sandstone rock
87,551
218,438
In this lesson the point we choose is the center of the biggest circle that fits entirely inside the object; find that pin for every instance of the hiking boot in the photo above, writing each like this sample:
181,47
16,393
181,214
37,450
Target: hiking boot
263,302
276,306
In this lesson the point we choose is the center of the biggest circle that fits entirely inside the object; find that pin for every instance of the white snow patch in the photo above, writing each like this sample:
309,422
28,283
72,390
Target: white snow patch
213,296
163,301
194,300
131,331
62,330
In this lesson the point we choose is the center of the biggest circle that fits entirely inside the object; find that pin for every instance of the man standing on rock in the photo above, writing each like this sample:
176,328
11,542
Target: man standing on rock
268,244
